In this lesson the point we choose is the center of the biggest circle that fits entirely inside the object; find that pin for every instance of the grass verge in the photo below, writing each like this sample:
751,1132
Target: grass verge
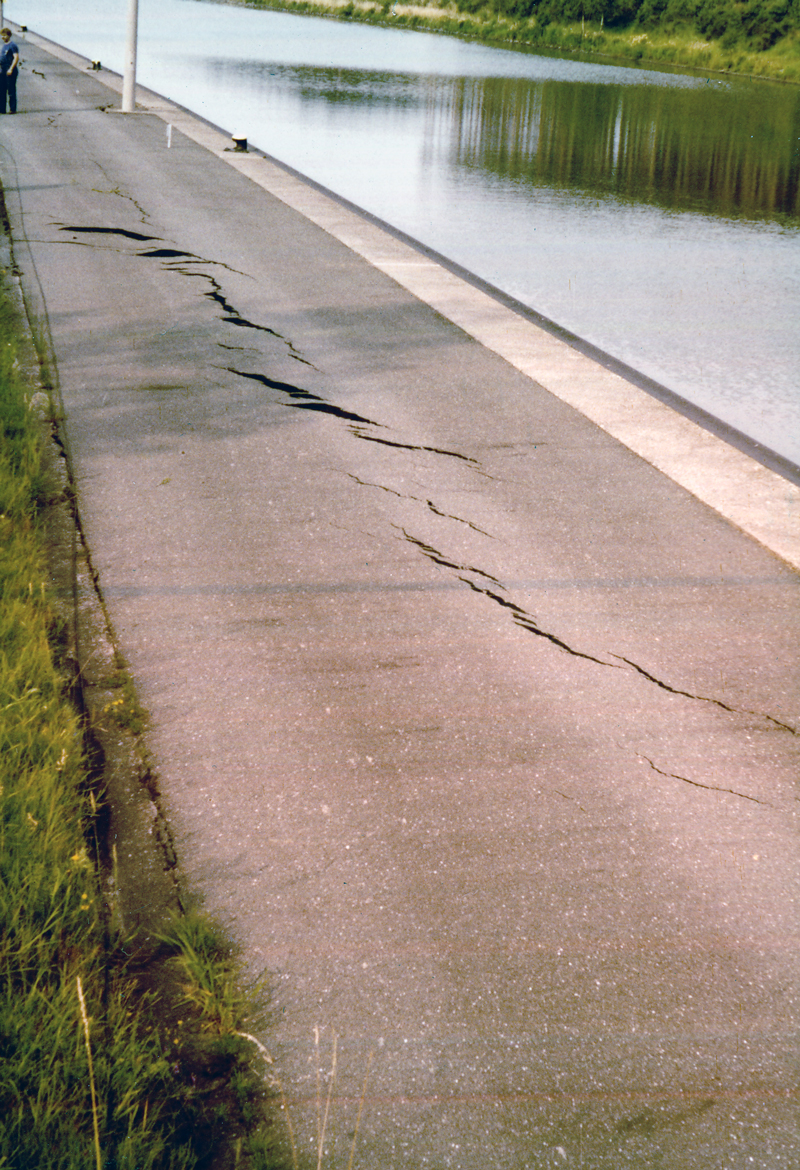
677,45
106,1060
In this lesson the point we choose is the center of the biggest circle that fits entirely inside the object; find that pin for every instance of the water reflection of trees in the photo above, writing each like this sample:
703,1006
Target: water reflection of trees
728,151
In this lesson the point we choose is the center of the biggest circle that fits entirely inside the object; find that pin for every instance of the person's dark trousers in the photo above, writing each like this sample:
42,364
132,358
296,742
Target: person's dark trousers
8,92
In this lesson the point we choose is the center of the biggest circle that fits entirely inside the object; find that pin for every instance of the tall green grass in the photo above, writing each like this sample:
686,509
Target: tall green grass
95,1070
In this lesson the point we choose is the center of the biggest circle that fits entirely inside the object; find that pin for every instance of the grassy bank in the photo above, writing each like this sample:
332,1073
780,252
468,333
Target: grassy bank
678,41
107,1058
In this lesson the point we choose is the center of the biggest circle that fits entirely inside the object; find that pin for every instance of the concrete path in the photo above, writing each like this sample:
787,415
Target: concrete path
476,728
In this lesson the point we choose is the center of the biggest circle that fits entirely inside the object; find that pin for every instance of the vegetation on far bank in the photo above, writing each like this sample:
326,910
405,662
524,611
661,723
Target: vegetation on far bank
755,38
107,1058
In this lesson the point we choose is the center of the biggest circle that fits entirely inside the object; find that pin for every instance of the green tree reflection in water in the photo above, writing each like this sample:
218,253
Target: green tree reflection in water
731,150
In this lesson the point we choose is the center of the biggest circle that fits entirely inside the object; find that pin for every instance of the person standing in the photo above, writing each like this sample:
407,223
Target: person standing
9,68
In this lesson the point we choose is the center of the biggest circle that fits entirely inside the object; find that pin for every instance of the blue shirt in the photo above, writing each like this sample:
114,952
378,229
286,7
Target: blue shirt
7,56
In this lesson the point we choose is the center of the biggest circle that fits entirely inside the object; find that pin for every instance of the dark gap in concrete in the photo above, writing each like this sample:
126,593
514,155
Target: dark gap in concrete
413,447
708,787
108,232
308,401
438,559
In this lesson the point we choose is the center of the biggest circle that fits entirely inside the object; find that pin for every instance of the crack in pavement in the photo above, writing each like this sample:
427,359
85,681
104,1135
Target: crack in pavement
193,258
438,558
704,698
449,516
672,690
107,231
527,622
81,244
571,799
520,616
379,486
120,195
231,314
414,447
308,401
305,400
418,500
708,787
167,253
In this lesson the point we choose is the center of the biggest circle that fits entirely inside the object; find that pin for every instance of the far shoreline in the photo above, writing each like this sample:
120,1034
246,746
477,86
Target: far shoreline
675,52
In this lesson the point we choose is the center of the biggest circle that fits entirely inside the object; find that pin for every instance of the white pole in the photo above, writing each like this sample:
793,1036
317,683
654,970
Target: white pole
129,74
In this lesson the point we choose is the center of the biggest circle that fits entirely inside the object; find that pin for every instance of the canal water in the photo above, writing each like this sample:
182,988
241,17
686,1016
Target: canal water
655,214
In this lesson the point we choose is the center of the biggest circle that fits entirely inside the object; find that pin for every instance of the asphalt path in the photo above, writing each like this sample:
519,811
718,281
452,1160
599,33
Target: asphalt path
476,730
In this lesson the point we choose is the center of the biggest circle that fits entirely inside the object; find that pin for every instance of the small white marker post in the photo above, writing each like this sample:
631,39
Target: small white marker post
129,74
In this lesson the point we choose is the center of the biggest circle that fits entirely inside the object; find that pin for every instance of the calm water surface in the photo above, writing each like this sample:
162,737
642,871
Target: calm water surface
655,214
